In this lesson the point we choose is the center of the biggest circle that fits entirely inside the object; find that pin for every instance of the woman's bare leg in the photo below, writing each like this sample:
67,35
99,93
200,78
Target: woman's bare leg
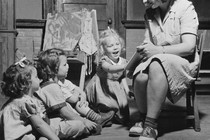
140,86
157,88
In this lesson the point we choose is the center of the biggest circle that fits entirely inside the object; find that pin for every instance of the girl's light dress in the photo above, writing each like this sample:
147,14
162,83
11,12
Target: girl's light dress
51,96
106,88
14,117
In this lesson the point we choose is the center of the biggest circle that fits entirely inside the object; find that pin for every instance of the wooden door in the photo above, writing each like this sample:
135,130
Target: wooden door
104,9
7,34
7,37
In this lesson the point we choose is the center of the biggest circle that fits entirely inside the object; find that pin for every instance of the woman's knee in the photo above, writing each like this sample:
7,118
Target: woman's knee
156,69
157,74
141,78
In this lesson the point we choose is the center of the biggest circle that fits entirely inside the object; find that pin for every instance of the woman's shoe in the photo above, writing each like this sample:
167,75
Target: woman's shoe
136,130
149,133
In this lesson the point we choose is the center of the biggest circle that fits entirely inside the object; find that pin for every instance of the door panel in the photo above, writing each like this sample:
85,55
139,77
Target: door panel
3,17
7,38
7,34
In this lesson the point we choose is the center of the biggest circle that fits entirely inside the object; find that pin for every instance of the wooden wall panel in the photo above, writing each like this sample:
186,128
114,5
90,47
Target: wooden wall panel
7,50
6,56
7,34
3,15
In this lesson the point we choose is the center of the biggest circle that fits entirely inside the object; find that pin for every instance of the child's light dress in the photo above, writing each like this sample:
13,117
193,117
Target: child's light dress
14,117
52,97
107,88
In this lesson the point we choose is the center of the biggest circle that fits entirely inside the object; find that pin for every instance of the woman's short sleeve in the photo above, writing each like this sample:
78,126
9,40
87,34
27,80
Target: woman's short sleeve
189,21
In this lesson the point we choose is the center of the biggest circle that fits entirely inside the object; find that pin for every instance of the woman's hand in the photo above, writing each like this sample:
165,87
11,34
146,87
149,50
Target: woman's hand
148,49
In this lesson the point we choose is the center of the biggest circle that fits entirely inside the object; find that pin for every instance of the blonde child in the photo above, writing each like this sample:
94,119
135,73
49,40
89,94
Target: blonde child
108,89
75,96
48,64
20,116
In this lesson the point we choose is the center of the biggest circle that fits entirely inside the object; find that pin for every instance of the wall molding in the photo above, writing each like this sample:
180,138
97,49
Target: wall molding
30,23
139,24
133,24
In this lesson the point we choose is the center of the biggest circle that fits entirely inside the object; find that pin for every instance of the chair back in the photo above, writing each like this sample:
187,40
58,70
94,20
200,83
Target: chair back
200,46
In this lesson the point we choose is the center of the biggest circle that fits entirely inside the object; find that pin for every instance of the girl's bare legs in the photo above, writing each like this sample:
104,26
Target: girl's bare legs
157,88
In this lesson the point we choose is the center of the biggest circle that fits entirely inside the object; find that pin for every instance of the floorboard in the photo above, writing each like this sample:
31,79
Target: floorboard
172,123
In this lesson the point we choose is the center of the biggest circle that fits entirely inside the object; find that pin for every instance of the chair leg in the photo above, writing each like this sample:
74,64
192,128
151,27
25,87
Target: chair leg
188,102
195,109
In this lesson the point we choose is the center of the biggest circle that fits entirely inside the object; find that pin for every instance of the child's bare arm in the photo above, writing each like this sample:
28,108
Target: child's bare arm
77,94
77,103
112,68
42,127
38,123
73,99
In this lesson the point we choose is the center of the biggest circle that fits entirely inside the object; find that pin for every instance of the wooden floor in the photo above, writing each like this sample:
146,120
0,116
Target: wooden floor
172,123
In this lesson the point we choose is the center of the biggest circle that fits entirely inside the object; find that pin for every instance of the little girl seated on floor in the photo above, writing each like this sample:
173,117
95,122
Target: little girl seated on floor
108,89
21,116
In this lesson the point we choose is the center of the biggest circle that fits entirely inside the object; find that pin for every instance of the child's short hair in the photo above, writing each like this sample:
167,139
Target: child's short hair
107,33
48,63
17,79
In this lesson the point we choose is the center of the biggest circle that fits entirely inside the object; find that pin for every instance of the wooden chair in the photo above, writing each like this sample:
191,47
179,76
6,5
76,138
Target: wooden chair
191,95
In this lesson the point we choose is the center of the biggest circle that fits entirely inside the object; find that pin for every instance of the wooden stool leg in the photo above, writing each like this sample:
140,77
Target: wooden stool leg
82,76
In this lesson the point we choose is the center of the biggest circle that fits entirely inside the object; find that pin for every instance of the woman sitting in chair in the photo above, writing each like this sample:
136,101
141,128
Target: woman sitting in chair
169,63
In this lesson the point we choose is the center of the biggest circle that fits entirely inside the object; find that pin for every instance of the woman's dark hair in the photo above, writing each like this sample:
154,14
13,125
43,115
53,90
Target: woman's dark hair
48,63
17,79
